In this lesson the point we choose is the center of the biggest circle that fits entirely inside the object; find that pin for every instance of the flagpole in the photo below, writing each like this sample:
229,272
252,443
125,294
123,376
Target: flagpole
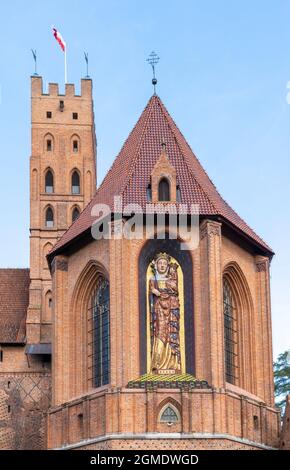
65,66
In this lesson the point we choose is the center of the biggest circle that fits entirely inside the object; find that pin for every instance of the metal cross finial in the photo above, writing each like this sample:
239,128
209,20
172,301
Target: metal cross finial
153,59
35,61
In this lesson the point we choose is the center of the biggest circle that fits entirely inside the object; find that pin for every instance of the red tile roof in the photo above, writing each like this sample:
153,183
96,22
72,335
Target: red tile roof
14,294
130,174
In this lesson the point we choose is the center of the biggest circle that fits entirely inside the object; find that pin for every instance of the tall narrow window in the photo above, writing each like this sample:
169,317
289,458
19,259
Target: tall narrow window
100,334
49,145
75,214
230,333
75,183
75,146
163,190
49,217
48,182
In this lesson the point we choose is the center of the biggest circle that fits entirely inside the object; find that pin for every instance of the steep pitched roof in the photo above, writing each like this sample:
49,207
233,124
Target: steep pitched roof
14,292
129,175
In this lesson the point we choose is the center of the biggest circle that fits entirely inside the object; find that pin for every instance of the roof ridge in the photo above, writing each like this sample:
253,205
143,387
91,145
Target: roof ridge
168,118
144,130
106,177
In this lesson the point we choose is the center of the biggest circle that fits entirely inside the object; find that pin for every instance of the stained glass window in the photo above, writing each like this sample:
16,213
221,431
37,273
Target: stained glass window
100,334
230,333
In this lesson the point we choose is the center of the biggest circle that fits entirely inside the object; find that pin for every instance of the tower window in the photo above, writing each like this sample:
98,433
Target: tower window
75,214
49,145
48,114
61,105
49,302
49,182
99,314
1,355
49,217
178,194
75,182
75,115
230,333
163,190
75,146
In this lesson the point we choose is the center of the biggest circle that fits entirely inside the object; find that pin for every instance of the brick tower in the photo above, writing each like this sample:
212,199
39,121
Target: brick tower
63,181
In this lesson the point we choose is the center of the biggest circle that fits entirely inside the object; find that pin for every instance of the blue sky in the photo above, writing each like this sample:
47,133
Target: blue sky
222,75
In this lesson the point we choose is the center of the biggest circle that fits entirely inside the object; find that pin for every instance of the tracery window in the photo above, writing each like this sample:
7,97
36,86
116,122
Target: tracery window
230,333
99,334
169,415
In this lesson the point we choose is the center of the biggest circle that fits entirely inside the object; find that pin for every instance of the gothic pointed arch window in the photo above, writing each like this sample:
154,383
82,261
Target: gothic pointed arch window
49,217
164,190
230,333
49,184
48,143
99,332
75,182
75,214
169,415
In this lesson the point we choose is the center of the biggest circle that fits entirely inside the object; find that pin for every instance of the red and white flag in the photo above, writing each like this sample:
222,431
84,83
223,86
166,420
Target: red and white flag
59,38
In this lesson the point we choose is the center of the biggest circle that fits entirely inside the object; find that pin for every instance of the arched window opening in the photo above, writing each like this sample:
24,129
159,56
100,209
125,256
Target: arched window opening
49,182
169,415
49,217
75,182
149,193
230,334
48,306
178,194
75,214
75,146
164,190
99,334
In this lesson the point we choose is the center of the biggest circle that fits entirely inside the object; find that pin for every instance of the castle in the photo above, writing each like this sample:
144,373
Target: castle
132,342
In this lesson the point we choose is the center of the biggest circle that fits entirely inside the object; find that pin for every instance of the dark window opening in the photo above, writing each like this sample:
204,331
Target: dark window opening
49,182
1,356
49,217
75,214
169,415
178,194
49,145
163,190
75,146
8,384
75,115
256,422
75,182
230,334
61,105
149,193
48,114
50,302
99,333
9,408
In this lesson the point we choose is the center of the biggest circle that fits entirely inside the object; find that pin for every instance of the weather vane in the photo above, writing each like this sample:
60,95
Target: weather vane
35,61
153,59
87,63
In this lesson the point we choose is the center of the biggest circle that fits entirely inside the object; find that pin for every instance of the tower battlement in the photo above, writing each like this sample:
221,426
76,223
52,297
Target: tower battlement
53,89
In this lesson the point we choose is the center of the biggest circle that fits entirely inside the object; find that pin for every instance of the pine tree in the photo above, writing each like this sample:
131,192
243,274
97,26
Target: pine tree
282,378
